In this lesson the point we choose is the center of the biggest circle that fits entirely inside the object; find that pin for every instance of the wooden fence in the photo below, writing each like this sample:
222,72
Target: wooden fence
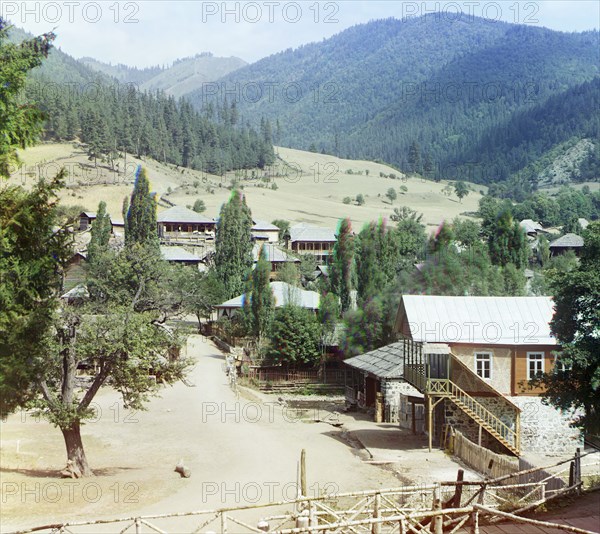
297,376
481,459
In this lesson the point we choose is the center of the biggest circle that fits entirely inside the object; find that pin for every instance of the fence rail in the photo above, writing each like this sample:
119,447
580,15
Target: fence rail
435,508
306,376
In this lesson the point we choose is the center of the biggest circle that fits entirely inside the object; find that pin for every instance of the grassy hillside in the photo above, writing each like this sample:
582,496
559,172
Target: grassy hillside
375,89
302,196
183,77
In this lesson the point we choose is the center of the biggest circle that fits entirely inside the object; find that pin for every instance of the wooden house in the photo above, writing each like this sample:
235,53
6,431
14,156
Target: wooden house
283,292
306,239
181,222
179,256
277,257
86,218
473,358
566,242
264,231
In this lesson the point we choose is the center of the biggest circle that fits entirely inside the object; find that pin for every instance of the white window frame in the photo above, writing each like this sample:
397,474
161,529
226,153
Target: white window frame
491,357
530,359
560,366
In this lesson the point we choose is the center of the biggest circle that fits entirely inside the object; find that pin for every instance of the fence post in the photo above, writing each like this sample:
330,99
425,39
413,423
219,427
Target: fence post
438,519
223,523
376,528
577,470
303,489
459,489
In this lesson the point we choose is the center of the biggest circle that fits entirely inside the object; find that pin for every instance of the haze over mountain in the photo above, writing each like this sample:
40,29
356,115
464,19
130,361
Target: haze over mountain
182,77
446,86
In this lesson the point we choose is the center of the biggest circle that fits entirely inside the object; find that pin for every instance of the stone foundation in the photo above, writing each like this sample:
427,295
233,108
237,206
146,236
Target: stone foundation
544,429
392,389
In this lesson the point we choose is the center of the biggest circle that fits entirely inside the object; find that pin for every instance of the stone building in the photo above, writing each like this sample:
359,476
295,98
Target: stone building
380,372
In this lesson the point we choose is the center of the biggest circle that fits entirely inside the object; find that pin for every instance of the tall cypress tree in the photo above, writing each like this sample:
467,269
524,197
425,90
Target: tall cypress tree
263,301
342,264
233,244
141,216
101,229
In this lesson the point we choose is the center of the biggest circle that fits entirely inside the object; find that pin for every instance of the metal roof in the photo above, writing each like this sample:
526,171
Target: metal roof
304,232
568,240
181,214
284,293
178,254
263,226
481,320
274,253
385,362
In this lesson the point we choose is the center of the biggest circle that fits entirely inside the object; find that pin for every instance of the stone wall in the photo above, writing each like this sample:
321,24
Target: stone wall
544,429
392,389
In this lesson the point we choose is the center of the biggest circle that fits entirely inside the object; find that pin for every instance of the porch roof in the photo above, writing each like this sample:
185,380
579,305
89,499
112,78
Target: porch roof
385,362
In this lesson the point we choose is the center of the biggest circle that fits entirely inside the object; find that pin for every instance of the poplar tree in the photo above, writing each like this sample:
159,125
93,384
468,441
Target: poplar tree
262,300
141,215
233,244
342,264
101,230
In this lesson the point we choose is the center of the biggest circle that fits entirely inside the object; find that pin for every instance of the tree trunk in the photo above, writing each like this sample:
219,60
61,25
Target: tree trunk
75,452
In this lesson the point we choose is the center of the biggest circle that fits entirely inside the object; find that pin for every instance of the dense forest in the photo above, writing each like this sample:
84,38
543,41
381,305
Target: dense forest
451,88
110,117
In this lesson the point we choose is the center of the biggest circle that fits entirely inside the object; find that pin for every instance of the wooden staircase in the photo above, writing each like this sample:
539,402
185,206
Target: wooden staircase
476,411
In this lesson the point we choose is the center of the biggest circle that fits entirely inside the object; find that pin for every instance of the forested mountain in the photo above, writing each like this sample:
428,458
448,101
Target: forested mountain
182,77
441,86
111,117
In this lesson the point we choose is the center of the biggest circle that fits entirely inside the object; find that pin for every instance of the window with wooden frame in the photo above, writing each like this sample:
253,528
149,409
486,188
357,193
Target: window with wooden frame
535,364
559,365
483,365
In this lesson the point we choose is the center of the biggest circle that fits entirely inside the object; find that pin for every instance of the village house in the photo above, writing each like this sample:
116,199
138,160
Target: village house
179,222
473,359
277,257
179,256
375,381
283,292
566,242
264,231
86,218
531,228
306,239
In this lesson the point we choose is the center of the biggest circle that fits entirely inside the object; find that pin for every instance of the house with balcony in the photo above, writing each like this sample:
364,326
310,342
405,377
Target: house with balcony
306,239
472,358
180,224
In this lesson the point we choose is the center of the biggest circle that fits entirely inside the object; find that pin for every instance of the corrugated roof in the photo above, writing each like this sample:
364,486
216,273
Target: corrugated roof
178,254
284,294
181,214
482,320
274,253
385,362
304,232
568,240
263,226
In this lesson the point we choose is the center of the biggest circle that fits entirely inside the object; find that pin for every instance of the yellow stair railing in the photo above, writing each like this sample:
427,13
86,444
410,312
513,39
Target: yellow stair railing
476,411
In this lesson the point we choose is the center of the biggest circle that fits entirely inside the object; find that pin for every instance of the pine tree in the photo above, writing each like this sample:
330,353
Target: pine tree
263,301
141,216
233,244
414,158
100,233
342,264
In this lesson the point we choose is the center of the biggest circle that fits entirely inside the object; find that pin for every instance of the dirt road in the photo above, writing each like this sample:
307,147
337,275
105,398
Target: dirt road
239,451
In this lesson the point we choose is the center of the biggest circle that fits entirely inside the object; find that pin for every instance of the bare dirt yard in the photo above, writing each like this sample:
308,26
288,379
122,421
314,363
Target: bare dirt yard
241,449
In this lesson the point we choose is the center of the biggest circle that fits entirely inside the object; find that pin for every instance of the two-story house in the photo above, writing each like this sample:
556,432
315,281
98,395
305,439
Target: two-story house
485,351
